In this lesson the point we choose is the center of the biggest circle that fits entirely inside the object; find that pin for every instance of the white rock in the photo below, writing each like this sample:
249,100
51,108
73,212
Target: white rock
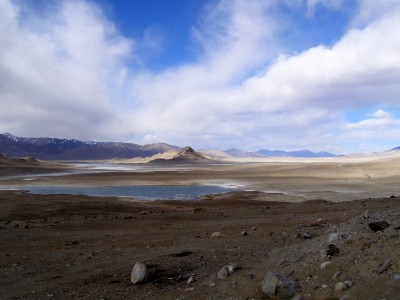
216,234
191,280
226,271
139,273
348,283
324,265
340,286
333,237
322,253
277,285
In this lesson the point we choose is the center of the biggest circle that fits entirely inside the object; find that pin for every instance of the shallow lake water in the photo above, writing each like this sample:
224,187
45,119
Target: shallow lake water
141,192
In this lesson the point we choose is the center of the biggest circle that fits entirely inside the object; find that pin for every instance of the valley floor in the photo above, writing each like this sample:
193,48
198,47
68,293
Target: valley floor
80,247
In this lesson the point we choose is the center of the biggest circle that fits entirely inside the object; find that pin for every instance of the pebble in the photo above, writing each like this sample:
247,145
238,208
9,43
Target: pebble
348,283
191,280
324,265
139,273
333,237
216,234
340,286
226,271
336,275
244,233
307,235
397,226
386,265
322,253
277,285
366,215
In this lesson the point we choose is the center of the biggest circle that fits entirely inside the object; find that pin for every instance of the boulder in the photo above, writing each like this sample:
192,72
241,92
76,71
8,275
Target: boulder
277,285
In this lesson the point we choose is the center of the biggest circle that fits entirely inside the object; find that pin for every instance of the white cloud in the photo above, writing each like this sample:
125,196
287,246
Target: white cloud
303,93
375,133
57,72
243,90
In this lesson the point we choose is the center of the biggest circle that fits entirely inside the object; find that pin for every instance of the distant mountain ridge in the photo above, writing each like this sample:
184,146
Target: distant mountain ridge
72,149
69,149
300,153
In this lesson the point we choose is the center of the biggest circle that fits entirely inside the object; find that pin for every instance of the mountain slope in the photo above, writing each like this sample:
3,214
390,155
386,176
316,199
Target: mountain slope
67,149
186,155
301,153
241,153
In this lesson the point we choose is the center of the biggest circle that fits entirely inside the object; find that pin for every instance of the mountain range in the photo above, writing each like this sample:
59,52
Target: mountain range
71,149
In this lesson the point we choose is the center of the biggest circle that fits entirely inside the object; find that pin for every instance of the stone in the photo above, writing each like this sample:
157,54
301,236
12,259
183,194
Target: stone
340,286
216,234
386,265
226,271
333,237
277,285
397,226
322,253
378,225
324,265
307,235
244,233
336,275
198,210
348,283
366,215
139,273
332,250
191,280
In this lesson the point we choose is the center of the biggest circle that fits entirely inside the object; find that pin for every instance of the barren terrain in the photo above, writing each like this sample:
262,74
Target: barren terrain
285,218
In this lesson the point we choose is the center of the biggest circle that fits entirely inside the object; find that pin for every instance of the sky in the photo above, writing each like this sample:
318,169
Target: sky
322,75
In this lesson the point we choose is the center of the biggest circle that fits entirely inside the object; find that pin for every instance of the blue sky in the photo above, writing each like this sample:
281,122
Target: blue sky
322,75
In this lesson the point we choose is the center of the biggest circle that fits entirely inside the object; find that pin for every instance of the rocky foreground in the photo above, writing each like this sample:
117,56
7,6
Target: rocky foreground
77,247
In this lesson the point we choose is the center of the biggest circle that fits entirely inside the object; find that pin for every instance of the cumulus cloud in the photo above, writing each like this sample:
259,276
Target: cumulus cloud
57,71
379,131
298,96
243,89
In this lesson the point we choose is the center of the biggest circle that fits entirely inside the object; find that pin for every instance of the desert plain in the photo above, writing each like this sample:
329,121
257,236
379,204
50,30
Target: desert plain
285,215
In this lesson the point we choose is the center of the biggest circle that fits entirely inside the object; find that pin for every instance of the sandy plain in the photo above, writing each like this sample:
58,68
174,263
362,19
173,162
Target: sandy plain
80,247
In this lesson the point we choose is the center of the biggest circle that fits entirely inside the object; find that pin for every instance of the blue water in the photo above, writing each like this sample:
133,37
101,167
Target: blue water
142,192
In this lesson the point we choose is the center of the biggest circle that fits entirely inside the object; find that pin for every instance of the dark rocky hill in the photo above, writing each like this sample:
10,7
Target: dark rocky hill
71,149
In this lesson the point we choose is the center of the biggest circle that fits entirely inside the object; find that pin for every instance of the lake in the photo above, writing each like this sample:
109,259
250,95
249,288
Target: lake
141,192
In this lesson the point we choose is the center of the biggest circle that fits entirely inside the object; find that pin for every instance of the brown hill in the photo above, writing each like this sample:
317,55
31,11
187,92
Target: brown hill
19,165
186,155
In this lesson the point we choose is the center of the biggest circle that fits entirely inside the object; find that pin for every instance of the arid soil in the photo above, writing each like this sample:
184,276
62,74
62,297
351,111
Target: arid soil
80,247
77,247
